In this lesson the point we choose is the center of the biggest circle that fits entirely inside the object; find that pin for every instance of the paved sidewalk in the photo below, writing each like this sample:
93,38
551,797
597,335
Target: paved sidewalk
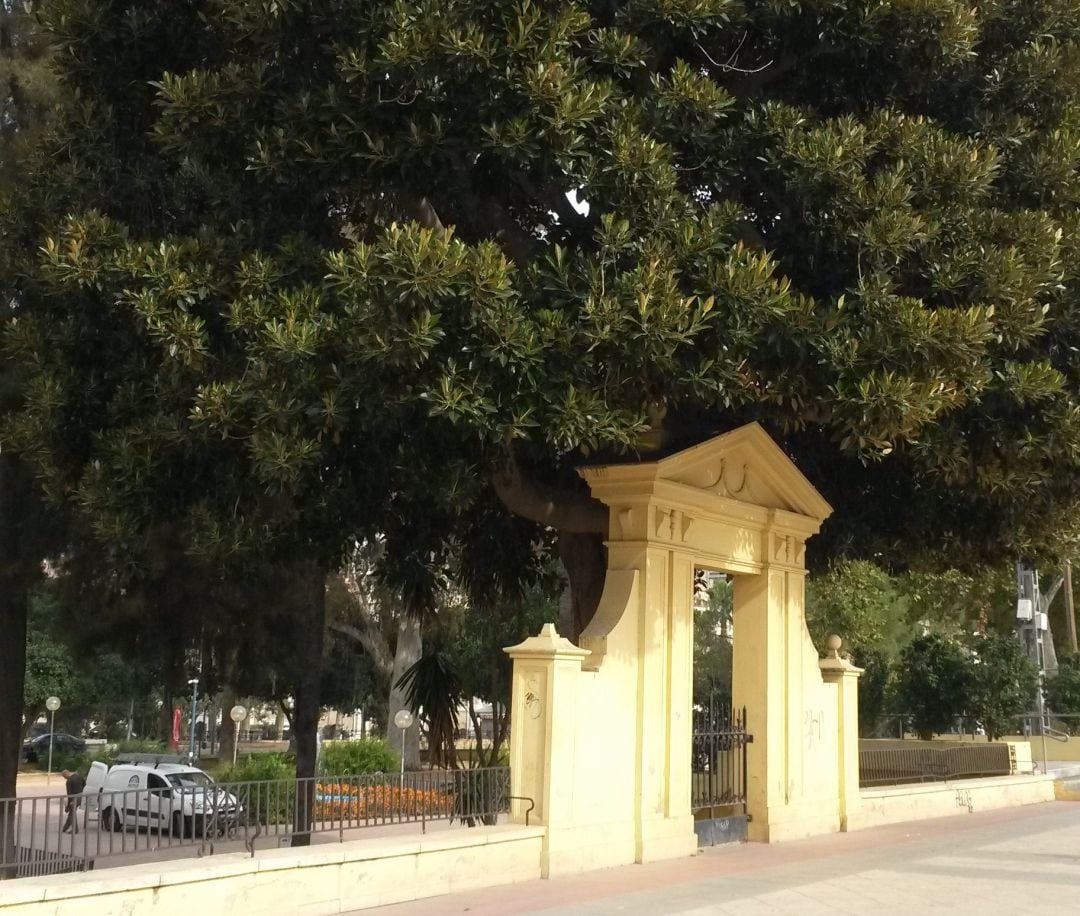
1014,861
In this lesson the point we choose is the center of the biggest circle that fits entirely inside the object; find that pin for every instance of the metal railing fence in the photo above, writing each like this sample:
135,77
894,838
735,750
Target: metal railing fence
234,816
895,766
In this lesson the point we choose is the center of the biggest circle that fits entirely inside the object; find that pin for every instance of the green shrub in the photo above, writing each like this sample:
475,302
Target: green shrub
66,760
351,758
261,767
140,746
1063,690
267,798
111,753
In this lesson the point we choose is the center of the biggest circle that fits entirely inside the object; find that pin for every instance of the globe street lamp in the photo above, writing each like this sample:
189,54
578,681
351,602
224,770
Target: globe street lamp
52,704
403,719
238,713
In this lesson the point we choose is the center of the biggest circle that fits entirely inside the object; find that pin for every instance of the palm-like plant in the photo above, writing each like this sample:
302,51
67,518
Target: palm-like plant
433,691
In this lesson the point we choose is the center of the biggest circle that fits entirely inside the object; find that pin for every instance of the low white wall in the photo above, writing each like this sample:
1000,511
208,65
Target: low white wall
327,878
916,802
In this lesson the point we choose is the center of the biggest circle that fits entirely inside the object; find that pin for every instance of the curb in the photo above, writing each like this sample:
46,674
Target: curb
1066,793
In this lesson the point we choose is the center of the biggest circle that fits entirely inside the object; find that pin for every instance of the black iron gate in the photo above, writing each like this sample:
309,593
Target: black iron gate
718,762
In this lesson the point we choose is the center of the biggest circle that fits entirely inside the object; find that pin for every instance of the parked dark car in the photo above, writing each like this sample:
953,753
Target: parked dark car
36,750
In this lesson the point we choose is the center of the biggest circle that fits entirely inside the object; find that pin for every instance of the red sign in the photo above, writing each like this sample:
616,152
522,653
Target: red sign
174,741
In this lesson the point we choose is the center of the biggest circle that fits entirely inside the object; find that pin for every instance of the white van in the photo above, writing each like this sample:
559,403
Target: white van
166,797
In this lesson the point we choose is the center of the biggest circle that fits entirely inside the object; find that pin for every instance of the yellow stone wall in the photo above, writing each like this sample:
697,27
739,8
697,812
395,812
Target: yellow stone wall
325,878
917,802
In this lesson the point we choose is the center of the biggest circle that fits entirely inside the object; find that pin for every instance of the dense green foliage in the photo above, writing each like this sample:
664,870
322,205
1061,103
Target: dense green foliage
1002,683
874,613
854,226
478,637
260,767
49,666
860,602
353,758
713,647
1063,689
882,619
875,689
28,85
475,653
932,683
98,689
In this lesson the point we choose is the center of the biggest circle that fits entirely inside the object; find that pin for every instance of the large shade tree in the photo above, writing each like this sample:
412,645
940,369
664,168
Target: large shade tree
28,529
328,268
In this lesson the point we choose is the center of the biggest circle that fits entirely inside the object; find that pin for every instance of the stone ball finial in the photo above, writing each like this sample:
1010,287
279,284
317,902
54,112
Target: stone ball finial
833,644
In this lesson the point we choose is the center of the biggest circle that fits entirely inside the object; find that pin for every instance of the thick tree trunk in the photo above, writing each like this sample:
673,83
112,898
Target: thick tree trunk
584,559
406,654
227,735
13,614
167,714
12,676
305,720
230,658
582,523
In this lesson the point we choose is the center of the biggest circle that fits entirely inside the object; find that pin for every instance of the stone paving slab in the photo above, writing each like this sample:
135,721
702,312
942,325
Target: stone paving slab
1012,861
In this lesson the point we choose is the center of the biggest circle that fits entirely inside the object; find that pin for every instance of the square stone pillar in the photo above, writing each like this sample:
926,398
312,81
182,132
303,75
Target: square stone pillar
665,659
544,708
791,781
835,669
759,685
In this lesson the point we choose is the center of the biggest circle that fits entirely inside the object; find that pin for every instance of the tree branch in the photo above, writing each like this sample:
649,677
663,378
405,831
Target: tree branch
371,638
423,211
1047,598
752,80
560,509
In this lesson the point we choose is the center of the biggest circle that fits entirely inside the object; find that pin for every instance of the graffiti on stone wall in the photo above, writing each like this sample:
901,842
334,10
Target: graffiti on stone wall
813,725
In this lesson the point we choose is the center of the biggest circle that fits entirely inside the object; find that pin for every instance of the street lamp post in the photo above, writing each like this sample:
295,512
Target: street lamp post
52,704
194,683
238,713
403,719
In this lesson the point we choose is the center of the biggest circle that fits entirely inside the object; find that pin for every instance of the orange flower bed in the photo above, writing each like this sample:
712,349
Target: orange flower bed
346,801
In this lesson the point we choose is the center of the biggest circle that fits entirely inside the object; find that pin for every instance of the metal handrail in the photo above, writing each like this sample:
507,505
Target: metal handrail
1054,734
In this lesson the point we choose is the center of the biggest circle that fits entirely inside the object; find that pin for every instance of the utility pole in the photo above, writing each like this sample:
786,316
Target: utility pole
1070,612
1029,627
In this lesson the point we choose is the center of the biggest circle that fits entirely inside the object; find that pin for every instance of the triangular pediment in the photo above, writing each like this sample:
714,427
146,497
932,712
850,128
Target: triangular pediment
746,465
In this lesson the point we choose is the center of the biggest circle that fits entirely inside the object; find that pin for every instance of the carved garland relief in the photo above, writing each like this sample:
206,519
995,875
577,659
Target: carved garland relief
732,485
